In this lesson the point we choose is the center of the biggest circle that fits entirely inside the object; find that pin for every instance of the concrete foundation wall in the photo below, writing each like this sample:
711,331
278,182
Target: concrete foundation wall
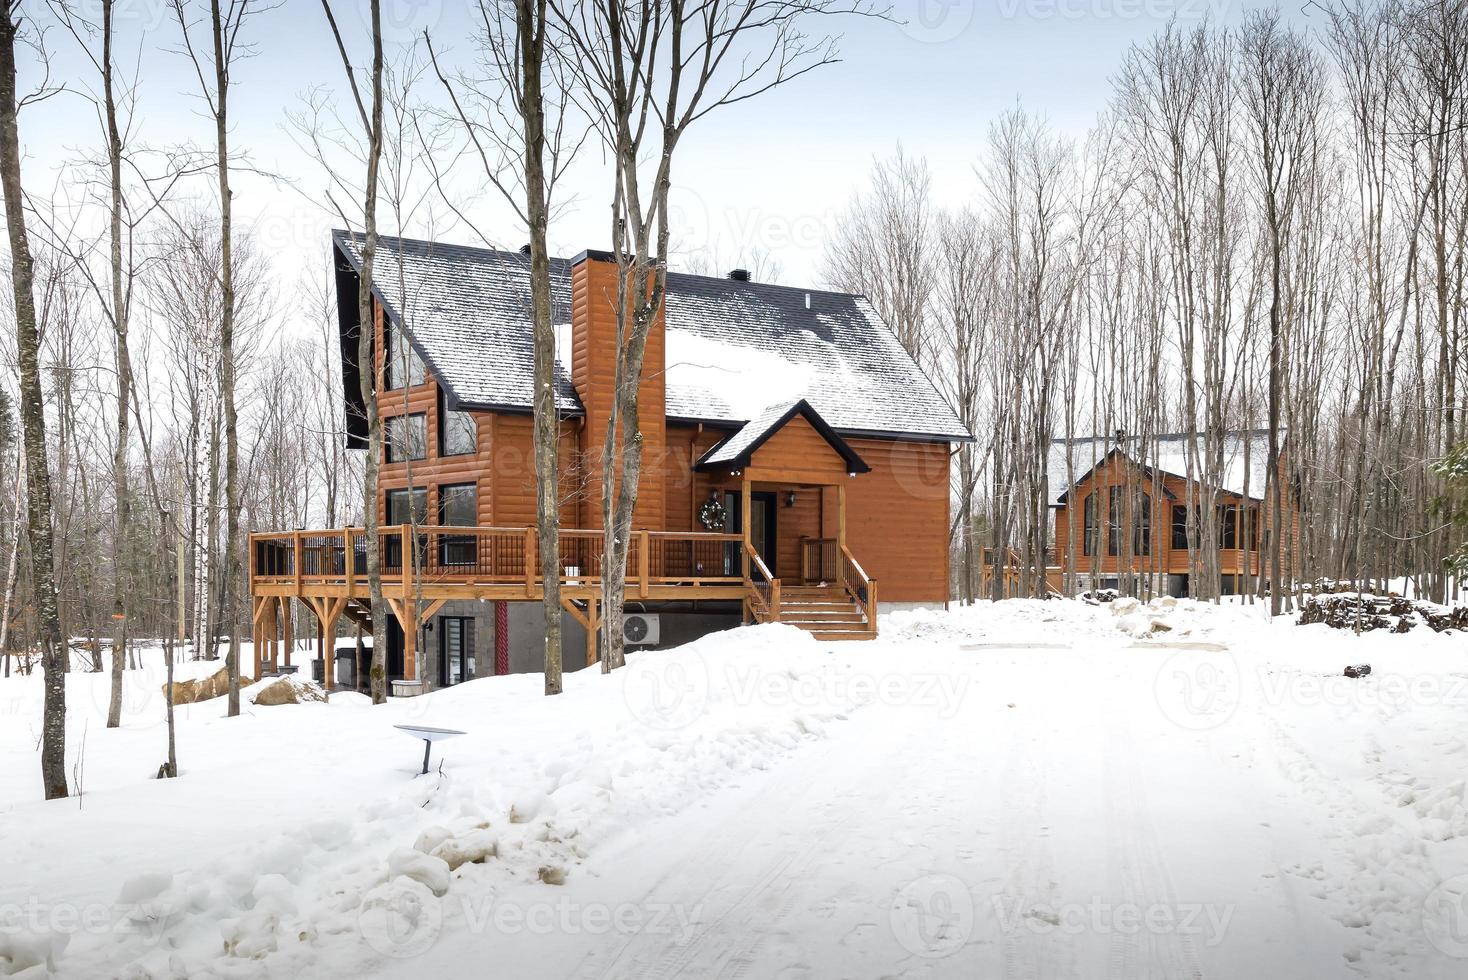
678,625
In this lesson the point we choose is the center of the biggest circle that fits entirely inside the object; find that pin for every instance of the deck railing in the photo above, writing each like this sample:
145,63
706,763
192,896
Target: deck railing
491,556
820,560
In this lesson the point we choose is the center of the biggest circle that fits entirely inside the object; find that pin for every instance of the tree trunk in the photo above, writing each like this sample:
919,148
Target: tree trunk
33,422
530,16
123,364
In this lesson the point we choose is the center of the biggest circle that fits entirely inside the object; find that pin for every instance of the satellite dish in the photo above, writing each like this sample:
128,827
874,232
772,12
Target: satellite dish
429,736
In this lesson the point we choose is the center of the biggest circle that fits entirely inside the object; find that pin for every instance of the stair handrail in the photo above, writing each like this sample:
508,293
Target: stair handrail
770,602
864,594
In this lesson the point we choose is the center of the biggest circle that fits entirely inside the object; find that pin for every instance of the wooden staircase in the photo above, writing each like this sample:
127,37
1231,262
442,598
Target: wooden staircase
827,612
843,609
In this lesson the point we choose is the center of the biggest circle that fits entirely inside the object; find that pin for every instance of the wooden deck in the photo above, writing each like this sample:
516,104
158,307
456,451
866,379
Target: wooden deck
327,571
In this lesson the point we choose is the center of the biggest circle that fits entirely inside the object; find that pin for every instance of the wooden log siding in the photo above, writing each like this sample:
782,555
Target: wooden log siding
593,368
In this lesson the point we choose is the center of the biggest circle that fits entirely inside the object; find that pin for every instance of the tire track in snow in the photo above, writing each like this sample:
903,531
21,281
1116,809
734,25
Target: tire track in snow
726,943
1137,872
1027,954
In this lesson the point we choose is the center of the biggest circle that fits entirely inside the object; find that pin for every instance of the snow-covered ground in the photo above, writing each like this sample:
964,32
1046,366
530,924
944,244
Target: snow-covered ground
1023,789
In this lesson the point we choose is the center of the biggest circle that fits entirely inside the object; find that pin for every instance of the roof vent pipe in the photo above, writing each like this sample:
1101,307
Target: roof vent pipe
525,249
739,275
807,301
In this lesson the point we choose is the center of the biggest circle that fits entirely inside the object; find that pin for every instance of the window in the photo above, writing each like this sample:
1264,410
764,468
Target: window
1228,527
1113,521
402,367
403,507
1180,527
1142,525
407,438
456,653
457,508
456,431
1091,536
399,503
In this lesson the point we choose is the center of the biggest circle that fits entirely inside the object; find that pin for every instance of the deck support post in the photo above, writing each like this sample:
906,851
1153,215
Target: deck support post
289,628
258,646
410,640
328,611
593,624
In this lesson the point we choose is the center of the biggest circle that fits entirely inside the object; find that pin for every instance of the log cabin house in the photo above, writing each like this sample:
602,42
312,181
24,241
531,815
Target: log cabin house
1121,507
796,466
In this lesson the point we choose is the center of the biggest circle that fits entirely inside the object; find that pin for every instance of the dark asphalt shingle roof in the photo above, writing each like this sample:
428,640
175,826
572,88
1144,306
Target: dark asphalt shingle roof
733,348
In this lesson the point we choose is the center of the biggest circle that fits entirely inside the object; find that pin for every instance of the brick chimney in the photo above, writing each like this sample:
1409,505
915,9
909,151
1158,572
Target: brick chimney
593,365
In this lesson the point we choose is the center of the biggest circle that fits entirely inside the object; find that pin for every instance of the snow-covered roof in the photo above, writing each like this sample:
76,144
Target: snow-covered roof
732,348
740,445
1245,459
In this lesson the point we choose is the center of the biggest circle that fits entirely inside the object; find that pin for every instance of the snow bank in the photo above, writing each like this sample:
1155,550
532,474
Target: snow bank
328,861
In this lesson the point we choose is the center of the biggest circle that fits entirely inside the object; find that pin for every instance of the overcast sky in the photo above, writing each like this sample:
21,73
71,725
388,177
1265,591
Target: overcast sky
771,173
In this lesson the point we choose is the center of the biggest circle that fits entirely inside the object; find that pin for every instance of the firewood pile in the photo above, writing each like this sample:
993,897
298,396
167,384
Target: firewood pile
1363,613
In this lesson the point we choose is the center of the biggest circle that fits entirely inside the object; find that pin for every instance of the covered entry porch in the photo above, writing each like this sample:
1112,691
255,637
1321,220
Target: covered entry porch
783,479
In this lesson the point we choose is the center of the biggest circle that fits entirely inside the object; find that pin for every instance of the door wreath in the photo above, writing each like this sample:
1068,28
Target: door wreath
711,514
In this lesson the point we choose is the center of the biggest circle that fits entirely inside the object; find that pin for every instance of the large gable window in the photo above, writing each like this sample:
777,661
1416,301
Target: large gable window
1179,527
1091,536
1113,521
1142,525
1228,527
403,367
457,431
407,438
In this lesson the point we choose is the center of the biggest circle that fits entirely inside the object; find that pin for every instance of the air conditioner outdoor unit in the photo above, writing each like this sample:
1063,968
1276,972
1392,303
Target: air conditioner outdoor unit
640,628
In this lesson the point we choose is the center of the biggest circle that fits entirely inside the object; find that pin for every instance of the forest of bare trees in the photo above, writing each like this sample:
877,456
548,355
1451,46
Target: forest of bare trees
1266,230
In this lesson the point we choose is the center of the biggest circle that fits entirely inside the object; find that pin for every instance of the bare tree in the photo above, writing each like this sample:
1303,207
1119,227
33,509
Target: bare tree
518,116
32,409
369,113
649,71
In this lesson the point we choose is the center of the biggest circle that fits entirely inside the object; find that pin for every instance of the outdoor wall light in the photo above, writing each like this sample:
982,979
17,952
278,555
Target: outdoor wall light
790,499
